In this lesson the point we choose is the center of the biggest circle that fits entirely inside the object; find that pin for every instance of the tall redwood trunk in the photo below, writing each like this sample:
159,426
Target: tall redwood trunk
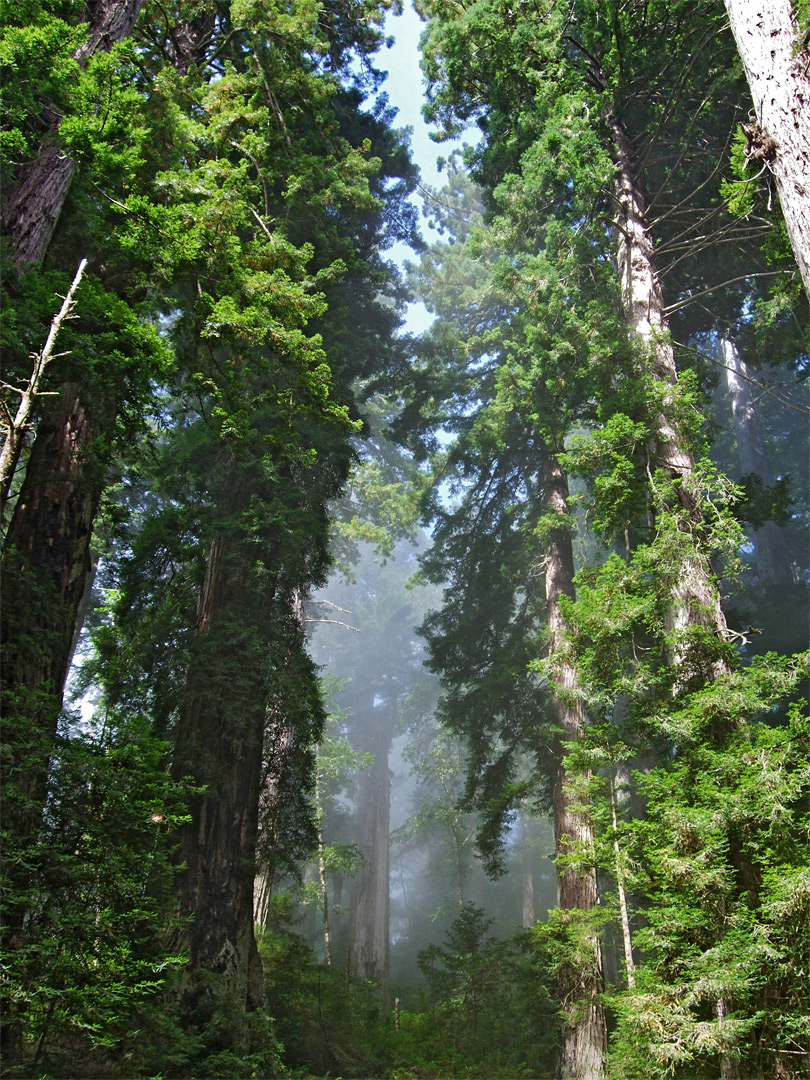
370,903
528,916
218,743
46,558
46,565
584,1032
694,590
778,74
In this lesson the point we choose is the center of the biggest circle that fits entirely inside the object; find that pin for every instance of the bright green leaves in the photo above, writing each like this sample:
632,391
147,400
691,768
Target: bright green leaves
36,59
104,129
740,192
612,457
725,831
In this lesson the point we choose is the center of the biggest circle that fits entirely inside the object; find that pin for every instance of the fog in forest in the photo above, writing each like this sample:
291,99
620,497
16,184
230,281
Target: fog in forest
404,495
416,875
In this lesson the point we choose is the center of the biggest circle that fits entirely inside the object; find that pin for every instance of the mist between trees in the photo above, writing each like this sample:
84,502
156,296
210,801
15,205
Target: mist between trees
393,705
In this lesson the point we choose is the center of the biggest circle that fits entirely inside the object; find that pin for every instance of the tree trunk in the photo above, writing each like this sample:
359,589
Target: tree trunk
694,590
33,200
369,918
327,937
624,914
46,558
218,743
778,73
279,746
584,1029
694,594
46,563
773,562
527,873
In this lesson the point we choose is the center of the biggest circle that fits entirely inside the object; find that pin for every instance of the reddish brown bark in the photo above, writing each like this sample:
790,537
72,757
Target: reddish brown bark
33,200
46,564
218,743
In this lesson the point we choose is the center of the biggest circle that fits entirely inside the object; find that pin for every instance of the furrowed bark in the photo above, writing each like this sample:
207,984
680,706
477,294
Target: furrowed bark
584,1031
46,557
778,73
46,564
218,743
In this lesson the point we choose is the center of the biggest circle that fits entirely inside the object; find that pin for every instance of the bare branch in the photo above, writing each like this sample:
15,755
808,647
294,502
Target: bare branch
16,428
705,292
747,378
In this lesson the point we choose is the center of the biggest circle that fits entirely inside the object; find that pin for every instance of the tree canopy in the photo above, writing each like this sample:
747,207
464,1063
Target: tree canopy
603,433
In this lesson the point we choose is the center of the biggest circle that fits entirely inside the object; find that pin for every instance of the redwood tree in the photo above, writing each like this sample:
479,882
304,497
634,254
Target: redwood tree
773,44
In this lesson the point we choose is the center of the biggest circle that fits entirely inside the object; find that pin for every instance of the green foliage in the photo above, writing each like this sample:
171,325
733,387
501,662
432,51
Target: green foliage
328,1024
763,502
36,61
801,15
491,1000
325,1024
740,191
721,856
460,972
228,195
95,955
442,821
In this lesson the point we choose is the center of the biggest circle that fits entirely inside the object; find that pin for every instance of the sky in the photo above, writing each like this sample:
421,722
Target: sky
405,89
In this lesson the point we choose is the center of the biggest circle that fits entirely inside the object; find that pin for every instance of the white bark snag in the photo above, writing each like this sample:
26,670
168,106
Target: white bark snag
15,429
627,940
779,79
327,937
694,595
